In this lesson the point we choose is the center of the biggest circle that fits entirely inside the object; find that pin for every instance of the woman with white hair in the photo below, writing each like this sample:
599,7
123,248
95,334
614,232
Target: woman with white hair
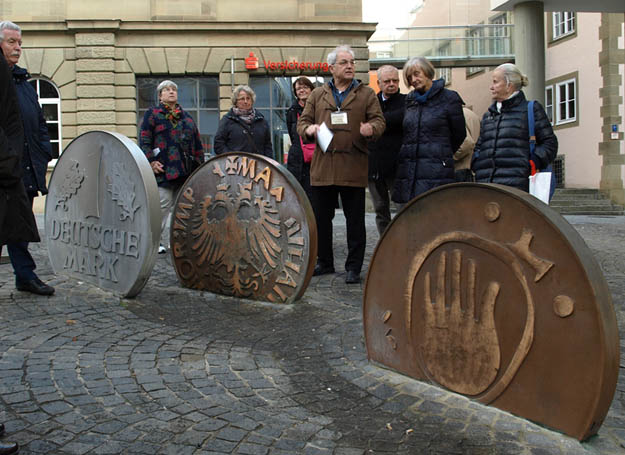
171,142
502,153
243,128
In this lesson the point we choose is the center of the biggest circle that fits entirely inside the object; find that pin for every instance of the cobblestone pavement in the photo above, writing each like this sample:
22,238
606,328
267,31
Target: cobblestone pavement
184,372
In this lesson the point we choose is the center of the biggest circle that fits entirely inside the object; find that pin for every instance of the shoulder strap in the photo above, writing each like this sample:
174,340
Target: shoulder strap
530,125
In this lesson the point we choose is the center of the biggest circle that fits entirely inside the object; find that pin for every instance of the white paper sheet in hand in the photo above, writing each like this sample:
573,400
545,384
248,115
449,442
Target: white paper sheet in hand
324,137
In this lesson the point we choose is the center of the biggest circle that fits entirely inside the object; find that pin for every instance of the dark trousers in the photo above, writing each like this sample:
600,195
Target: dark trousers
353,199
305,179
380,190
21,260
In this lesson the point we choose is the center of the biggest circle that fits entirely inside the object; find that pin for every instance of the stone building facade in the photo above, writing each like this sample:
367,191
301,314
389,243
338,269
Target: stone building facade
98,55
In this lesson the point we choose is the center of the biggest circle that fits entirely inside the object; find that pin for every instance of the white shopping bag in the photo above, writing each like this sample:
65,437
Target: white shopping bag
540,184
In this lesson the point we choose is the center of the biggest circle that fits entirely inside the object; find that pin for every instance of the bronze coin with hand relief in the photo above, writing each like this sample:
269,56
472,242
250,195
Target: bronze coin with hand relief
498,299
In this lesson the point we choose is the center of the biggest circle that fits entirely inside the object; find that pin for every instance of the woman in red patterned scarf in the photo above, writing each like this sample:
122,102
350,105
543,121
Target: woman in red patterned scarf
171,142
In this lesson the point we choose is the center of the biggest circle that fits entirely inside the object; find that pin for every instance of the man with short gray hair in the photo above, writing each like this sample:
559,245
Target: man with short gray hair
36,154
352,113
383,152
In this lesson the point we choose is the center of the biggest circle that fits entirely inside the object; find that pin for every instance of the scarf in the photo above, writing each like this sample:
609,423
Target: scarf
247,115
173,114
422,98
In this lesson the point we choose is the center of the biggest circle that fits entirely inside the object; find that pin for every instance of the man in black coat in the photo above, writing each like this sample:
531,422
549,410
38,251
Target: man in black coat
35,157
383,152
17,222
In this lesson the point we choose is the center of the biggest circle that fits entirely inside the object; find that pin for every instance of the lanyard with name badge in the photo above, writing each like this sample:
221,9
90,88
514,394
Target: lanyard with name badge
338,117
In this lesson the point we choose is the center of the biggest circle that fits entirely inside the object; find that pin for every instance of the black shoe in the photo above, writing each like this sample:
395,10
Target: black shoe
352,277
10,448
322,270
36,286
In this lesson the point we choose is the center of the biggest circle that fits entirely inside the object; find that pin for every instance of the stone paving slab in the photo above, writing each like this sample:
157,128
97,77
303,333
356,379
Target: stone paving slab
187,372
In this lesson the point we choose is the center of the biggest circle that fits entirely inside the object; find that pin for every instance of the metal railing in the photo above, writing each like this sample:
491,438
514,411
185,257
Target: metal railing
447,46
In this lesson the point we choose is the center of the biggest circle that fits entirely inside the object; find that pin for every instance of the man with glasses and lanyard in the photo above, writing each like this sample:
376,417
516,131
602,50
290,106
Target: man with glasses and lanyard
351,111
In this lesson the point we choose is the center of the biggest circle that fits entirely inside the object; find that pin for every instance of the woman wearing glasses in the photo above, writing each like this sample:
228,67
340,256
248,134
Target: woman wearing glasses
243,128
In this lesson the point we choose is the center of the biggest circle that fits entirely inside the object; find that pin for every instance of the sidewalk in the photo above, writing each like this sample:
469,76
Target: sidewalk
176,371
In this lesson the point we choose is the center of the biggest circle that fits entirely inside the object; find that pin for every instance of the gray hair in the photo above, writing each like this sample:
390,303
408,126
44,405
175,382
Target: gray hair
165,84
342,48
420,63
8,25
513,75
243,88
385,68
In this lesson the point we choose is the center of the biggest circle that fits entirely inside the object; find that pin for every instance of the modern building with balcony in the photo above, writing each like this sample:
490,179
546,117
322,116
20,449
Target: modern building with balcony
573,53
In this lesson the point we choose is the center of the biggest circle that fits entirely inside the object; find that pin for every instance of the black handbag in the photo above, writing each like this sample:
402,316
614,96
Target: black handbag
189,162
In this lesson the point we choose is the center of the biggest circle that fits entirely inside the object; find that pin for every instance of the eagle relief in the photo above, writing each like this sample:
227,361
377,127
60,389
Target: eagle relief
235,233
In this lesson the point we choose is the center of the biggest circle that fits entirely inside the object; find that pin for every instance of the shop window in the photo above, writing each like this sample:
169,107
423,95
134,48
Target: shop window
199,96
50,102
274,96
563,24
549,103
566,102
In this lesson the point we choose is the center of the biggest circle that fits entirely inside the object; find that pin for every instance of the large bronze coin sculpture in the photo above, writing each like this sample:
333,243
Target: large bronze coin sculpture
486,291
243,226
102,218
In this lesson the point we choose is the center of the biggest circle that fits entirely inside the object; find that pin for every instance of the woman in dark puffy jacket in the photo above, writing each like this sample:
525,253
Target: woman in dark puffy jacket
243,128
502,153
300,154
433,130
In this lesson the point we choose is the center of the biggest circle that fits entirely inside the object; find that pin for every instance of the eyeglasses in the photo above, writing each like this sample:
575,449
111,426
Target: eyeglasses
346,62
244,98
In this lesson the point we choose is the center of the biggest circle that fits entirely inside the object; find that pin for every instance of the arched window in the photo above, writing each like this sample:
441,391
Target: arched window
50,101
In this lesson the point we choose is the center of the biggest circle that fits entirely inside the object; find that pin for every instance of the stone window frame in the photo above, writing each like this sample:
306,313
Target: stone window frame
555,38
555,83
549,102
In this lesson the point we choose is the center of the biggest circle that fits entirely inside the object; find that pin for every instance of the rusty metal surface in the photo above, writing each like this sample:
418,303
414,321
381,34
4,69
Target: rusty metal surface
102,216
243,226
486,291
